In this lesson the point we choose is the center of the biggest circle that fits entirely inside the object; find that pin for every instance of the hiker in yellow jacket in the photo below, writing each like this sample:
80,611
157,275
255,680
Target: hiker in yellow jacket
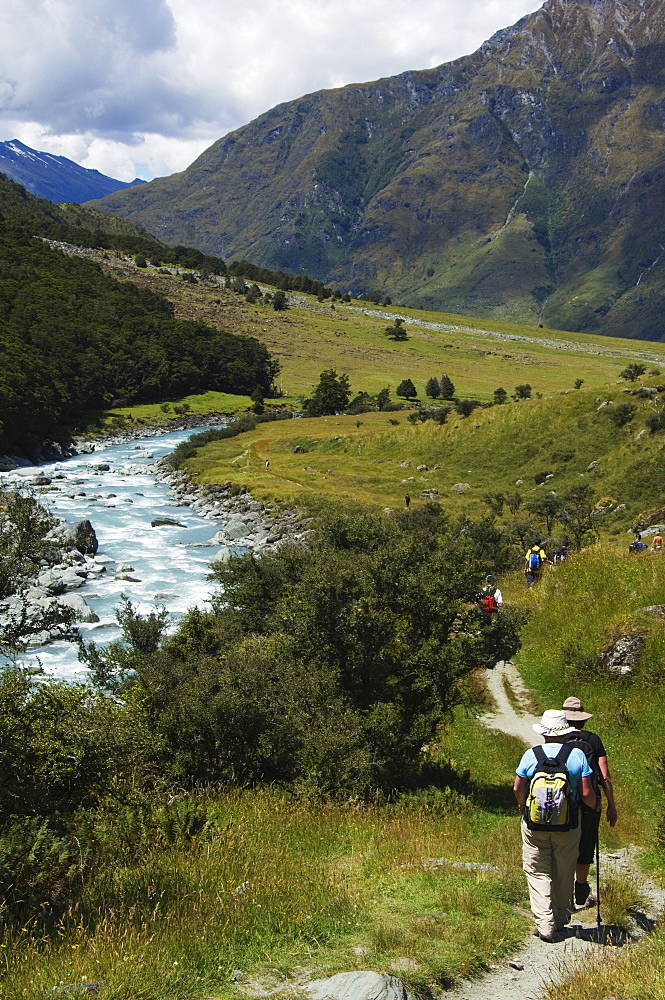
534,561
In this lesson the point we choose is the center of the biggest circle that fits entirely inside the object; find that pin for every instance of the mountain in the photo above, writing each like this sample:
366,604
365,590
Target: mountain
55,177
523,182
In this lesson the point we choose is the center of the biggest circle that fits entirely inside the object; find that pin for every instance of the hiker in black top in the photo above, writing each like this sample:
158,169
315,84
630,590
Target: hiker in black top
592,745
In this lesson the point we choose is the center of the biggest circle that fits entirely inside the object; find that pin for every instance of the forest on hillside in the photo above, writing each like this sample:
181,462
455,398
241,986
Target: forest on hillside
72,339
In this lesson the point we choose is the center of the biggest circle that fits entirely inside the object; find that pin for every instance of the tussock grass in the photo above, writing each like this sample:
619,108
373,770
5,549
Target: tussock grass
274,886
637,972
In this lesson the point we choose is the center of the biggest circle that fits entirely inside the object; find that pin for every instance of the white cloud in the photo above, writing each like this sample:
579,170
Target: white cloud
131,87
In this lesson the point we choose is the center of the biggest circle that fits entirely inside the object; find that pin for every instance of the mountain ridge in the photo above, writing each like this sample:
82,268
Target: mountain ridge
523,182
55,178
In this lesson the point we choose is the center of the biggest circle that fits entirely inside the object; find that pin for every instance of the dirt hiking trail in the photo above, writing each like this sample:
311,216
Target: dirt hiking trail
527,975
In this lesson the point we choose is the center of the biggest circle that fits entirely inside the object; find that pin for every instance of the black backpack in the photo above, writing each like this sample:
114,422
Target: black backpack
576,741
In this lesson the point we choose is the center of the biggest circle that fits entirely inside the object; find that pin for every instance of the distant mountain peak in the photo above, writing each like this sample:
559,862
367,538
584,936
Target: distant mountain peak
53,177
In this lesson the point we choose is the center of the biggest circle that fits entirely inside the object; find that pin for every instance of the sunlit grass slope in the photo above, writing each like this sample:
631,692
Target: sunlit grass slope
491,450
478,355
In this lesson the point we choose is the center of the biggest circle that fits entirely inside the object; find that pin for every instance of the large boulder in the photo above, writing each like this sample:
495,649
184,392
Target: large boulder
82,610
358,986
621,655
649,517
79,536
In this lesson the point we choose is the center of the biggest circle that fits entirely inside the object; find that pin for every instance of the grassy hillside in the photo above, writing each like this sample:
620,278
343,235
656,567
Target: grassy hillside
478,355
363,457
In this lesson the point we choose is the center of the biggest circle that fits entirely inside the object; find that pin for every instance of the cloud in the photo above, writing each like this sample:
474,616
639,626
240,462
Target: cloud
127,86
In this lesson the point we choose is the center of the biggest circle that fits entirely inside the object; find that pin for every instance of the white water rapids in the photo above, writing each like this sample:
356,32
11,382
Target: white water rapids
171,564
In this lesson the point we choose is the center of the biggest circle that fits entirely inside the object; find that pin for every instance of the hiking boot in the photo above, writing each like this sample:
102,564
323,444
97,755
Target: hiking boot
582,892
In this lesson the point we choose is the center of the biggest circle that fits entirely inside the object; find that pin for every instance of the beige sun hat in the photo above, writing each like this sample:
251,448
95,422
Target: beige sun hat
553,723
573,709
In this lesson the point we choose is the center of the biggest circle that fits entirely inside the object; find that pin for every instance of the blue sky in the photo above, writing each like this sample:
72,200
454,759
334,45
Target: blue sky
141,87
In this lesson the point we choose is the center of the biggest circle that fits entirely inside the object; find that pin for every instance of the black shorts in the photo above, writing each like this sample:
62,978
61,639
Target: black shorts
590,821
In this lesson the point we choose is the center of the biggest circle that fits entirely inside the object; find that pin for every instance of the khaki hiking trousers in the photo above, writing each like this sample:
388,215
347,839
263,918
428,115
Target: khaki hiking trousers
549,860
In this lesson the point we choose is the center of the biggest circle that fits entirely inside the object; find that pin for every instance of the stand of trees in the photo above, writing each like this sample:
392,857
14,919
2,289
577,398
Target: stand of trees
72,339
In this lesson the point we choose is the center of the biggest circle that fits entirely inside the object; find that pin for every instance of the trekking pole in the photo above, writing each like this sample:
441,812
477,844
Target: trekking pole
598,917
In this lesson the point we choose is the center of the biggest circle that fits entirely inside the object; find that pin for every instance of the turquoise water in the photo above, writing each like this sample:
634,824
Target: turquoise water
171,564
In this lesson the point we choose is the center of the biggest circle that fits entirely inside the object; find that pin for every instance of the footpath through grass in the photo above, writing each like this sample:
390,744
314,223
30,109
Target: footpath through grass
578,609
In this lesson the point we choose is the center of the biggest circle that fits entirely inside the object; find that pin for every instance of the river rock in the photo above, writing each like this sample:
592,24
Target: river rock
72,579
358,986
165,522
82,610
52,581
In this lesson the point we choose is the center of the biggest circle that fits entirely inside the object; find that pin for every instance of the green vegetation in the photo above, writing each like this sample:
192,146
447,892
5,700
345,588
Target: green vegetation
324,671
72,339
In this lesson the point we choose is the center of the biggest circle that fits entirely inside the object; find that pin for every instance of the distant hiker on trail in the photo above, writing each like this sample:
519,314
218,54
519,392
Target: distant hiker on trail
550,781
657,542
490,597
637,545
534,560
407,501
561,553
596,754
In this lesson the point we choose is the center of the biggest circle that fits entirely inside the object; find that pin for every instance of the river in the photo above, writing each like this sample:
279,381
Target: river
169,564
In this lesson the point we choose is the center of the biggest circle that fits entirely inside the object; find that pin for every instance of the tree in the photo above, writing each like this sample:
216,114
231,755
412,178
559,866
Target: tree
432,388
407,389
257,400
279,302
382,398
522,391
465,407
330,396
447,388
513,502
397,331
548,508
500,396
579,514
632,372
495,502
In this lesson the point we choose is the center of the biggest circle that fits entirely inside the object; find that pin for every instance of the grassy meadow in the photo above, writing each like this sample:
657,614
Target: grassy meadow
478,355
275,892
362,458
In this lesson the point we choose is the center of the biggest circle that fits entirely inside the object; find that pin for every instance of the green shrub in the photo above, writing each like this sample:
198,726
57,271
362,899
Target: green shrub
620,414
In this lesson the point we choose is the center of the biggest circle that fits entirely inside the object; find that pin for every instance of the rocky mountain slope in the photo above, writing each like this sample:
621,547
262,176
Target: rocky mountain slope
525,181
55,177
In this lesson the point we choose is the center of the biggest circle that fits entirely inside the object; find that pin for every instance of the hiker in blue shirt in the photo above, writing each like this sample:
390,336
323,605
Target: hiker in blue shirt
549,856
637,545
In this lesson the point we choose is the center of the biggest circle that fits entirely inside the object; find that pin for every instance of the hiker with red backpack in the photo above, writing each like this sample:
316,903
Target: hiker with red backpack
551,780
596,755
490,597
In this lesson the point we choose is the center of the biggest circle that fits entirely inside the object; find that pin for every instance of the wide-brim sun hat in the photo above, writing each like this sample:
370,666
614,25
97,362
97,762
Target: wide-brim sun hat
573,709
553,723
